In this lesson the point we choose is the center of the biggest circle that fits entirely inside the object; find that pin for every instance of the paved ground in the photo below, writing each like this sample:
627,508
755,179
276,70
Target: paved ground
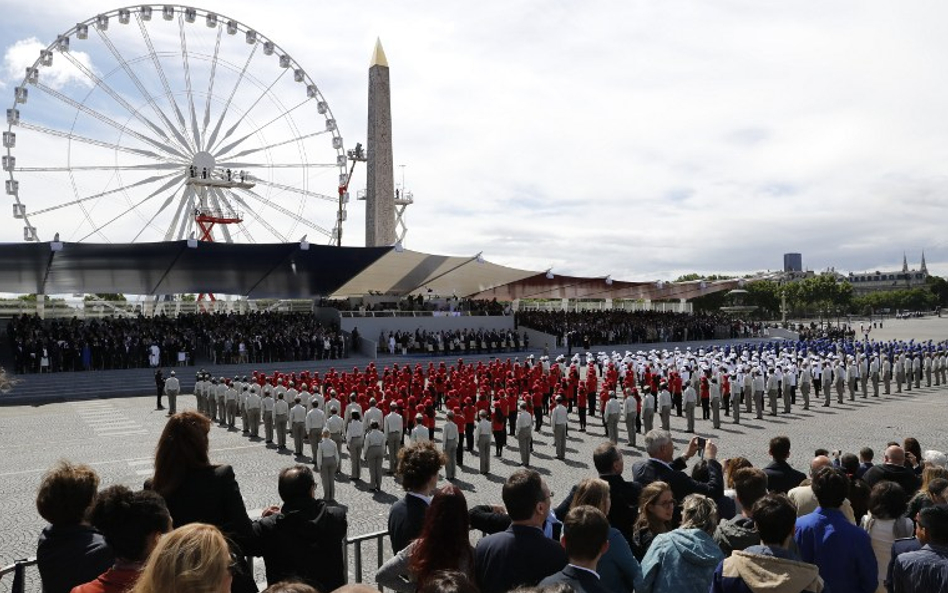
117,437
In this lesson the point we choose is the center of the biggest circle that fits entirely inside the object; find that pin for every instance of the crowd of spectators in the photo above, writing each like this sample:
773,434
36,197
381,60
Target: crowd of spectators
137,342
633,327
848,525
474,341
420,303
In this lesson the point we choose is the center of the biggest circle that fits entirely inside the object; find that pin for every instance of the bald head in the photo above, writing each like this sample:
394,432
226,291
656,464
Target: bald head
895,455
820,461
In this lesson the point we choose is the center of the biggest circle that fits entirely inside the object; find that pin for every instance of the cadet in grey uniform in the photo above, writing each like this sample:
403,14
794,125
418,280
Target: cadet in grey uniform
714,394
482,435
327,462
393,429
630,413
253,412
524,434
772,393
806,379
827,376
735,399
266,404
887,375
611,412
665,406
334,425
315,423
648,411
559,418
355,439
281,412
298,425
689,398
450,444
374,451
172,389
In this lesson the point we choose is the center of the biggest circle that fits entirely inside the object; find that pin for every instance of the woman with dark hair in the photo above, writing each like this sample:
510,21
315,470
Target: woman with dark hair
859,491
914,461
132,523
656,508
198,492
442,545
885,523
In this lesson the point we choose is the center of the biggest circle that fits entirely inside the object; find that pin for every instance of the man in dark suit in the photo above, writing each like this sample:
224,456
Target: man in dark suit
663,465
521,555
304,539
586,538
418,467
623,495
780,476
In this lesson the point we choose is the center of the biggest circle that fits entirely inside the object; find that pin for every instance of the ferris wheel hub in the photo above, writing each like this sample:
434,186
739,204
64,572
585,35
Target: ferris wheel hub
203,161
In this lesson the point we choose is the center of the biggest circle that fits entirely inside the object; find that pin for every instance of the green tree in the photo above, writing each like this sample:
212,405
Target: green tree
939,287
106,296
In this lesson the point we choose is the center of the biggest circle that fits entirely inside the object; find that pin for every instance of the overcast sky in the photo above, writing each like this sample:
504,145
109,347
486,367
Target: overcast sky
638,139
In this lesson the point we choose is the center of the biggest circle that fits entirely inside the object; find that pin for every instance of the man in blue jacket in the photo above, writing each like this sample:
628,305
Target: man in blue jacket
841,550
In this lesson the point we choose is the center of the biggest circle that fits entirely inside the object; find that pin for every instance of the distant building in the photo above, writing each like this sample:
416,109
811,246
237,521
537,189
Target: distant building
904,279
792,262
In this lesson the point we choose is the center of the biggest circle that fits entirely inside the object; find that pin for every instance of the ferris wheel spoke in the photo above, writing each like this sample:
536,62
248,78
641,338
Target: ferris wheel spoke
250,151
296,190
108,121
247,165
233,128
151,221
154,167
263,222
220,119
84,199
177,180
164,83
210,89
130,72
285,212
188,200
115,95
174,220
187,82
220,201
279,117
93,142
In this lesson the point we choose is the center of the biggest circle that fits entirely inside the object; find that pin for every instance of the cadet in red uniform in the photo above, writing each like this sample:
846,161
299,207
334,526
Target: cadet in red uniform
581,403
470,415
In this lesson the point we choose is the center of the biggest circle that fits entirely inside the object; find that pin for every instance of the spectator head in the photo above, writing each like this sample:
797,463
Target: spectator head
700,471
831,486
375,423
935,458
191,559
66,493
593,492
526,497
182,447
418,467
699,512
131,522
296,483
290,587
849,463
448,581
911,445
443,540
585,533
821,452
780,448
732,465
866,454
938,490
659,444
887,500
656,508
750,484
775,518
933,525
818,463
607,459
932,473
895,455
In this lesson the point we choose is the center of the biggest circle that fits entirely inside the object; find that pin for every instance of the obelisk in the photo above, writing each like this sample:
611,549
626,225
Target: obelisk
380,183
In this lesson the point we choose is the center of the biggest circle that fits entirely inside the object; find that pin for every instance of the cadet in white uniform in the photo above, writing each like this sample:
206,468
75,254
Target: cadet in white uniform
253,412
648,411
298,425
393,429
419,434
690,399
334,426
482,435
665,406
629,413
266,404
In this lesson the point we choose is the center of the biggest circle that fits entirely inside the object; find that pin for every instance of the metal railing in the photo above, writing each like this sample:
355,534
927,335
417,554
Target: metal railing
18,569
356,544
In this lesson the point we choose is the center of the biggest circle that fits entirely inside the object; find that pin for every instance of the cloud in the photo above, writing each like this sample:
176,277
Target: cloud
23,54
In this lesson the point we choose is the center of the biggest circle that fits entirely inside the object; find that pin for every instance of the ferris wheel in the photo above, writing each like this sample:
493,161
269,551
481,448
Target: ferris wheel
166,122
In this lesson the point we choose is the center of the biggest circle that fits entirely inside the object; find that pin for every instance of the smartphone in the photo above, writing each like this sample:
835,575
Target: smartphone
701,443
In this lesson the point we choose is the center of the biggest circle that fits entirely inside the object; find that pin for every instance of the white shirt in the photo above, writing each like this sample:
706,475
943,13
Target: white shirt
371,414
267,403
172,385
664,399
253,401
326,450
482,428
281,408
450,431
419,434
689,396
559,415
394,423
354,430
315,419
334,424
374,438
648,402
524,421
298,414
612,407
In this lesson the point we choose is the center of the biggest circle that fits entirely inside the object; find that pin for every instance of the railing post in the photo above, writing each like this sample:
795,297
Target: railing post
358,561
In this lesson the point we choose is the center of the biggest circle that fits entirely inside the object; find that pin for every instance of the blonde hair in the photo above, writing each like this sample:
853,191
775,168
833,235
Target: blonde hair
593,492
699,512
191,559
930,473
